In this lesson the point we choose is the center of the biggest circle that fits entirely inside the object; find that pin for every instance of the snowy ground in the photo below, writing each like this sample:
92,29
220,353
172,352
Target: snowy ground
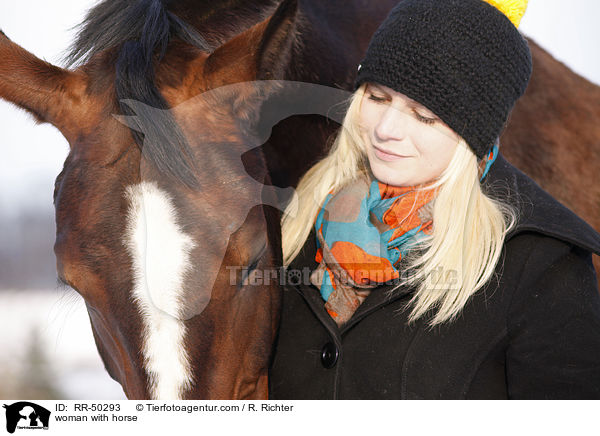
67,346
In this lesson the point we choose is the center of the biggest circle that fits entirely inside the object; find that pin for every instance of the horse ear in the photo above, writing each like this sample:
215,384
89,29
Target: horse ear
49,93
259,53
278,40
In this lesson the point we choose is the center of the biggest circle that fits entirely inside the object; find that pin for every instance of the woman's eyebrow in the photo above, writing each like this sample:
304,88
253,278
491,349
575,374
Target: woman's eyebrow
423,108
377,88
419,106
416,104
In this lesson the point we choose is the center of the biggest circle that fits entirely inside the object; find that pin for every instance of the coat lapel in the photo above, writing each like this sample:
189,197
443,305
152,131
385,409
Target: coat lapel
539,212
305,261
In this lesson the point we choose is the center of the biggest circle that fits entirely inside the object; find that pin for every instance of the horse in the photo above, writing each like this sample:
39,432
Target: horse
553,135
148,218
168,204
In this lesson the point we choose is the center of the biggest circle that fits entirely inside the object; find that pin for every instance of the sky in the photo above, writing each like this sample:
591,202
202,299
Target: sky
32,155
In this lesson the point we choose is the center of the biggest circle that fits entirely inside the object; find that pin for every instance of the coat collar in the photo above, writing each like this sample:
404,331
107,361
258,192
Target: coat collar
538,212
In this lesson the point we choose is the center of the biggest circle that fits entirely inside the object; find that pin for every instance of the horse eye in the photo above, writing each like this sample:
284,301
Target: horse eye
247,271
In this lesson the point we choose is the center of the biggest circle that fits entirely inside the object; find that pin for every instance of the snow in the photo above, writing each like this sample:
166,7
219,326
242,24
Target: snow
64,328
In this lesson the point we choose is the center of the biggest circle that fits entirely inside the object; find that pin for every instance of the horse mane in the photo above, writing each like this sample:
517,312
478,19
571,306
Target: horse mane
140,31
111,23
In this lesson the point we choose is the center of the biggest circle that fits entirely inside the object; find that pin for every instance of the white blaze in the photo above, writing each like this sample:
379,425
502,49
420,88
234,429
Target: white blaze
160,252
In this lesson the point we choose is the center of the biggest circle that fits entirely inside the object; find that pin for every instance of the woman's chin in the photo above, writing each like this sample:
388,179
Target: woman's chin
390,176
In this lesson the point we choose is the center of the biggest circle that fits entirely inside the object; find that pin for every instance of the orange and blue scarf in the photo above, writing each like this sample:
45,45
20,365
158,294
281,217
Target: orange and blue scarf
363,232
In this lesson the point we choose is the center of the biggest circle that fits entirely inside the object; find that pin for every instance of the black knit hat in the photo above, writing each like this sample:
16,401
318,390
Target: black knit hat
462,59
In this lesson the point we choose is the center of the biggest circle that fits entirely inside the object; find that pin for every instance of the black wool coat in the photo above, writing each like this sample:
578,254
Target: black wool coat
531,333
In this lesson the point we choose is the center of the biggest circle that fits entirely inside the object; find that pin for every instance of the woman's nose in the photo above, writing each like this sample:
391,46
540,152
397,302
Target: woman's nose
392,124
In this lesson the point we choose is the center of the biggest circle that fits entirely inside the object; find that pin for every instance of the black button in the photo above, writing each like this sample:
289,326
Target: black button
329,355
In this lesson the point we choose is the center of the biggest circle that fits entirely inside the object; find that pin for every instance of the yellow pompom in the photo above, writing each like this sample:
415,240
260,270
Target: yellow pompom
513,9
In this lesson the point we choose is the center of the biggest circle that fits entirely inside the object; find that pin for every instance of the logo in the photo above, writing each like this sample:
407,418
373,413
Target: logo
26,415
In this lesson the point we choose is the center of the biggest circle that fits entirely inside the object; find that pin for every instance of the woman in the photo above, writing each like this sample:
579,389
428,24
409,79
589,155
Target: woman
421,264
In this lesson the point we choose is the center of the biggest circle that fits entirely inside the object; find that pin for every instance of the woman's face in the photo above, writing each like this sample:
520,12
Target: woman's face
406,143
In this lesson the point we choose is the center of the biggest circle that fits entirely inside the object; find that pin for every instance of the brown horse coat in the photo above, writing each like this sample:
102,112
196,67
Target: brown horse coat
533,333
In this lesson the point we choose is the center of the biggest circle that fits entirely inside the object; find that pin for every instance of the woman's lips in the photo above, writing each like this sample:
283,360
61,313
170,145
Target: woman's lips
387,156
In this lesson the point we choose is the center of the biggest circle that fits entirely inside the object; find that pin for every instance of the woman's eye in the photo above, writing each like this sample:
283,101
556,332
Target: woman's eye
376,98
424,119
420,117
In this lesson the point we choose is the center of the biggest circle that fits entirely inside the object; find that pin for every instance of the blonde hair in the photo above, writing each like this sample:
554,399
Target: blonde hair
447,266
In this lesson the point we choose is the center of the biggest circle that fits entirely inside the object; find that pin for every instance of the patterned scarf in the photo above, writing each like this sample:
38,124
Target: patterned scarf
363,232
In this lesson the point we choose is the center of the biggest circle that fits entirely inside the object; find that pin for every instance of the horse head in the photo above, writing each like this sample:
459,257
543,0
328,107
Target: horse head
167,219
